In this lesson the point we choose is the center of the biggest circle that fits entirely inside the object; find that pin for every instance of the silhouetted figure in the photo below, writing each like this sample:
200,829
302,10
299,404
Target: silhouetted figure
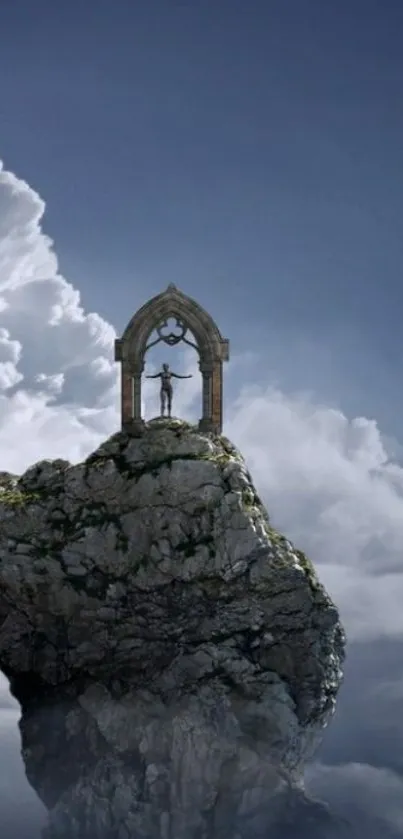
166,391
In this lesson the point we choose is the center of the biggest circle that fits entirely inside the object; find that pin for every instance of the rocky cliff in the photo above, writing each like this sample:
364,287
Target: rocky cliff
175,657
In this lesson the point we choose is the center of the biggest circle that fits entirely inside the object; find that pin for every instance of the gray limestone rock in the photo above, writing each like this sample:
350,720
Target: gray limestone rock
175,657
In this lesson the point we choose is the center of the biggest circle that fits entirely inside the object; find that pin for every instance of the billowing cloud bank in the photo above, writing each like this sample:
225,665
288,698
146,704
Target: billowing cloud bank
327,480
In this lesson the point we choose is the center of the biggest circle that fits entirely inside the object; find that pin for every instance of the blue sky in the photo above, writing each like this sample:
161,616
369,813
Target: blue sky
251,153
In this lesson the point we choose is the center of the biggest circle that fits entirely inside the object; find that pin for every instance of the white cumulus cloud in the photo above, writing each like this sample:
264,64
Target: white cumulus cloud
328,483
58,382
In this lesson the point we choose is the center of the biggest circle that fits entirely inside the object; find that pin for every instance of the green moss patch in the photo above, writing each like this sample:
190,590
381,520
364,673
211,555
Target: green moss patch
309,569
17,498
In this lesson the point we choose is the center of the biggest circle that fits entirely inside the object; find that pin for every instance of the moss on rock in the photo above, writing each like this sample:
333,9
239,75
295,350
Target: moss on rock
17,498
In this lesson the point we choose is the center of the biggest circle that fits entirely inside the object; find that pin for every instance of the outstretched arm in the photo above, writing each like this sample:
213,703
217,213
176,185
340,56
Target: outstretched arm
177,376
156,376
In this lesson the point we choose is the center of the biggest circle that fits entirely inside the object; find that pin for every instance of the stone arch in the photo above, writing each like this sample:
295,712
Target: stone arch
130,350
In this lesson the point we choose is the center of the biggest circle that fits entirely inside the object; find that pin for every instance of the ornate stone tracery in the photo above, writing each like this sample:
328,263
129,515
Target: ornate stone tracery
130,351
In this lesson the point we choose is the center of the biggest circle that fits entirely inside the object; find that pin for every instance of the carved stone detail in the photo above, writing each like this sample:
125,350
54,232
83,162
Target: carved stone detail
130,351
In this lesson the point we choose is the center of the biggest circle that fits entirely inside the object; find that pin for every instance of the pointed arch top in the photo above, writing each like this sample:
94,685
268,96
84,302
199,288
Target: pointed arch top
212,348
172,303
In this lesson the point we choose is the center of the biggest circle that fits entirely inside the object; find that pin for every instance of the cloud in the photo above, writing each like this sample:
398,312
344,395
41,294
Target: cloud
58,381
21,812
372,798
7,702
368,725
329,482
10,353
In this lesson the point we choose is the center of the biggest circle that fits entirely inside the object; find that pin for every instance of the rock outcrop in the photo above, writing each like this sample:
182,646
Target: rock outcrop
176,659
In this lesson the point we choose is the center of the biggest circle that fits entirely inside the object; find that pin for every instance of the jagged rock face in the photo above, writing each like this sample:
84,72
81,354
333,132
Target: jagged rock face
176,659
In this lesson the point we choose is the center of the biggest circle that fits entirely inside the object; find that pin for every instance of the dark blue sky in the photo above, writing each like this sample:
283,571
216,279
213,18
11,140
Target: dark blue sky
251,152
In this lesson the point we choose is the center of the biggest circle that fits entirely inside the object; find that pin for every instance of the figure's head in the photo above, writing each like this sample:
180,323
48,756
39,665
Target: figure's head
165,367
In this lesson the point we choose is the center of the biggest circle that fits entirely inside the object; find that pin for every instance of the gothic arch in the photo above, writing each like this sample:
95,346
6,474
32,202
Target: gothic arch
130,350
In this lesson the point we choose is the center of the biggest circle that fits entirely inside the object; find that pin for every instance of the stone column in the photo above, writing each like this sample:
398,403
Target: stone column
137,396
137,423
205,422
216,397
127,396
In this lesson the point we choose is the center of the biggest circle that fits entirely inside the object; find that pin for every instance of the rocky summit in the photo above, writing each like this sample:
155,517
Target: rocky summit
175,658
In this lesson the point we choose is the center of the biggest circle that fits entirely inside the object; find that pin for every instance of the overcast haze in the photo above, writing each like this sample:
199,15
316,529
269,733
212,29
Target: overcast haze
252,154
